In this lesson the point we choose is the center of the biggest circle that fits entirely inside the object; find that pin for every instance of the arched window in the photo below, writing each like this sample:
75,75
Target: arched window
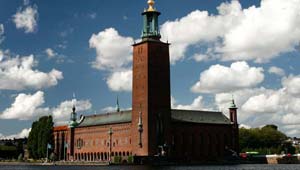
127,153
105,156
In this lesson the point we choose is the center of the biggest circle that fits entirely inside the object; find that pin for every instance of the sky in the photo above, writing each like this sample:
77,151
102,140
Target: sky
50,50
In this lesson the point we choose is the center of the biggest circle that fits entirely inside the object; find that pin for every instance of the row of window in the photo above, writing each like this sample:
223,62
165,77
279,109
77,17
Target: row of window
103,142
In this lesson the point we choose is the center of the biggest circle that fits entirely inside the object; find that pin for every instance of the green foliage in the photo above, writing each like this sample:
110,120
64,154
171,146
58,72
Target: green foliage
266,140
8,152
39,136
130,159
117,159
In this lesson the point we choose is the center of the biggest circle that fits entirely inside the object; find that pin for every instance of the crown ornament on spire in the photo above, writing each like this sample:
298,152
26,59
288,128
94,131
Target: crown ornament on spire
151,5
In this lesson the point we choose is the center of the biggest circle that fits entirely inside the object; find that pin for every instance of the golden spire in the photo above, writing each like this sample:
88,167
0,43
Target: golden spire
151,4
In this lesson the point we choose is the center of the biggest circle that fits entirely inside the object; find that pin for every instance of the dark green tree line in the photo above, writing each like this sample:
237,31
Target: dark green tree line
265,140
39,136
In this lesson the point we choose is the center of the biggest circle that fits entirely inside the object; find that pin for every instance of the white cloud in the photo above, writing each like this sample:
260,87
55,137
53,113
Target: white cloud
26,19
197,104
244,126
120,81
50,53
200,57
263,103
62,112
220,78
18,74
276,70
113,51
292,84
24,133
233,31
108,109
25,107
30,106
261,106
223,101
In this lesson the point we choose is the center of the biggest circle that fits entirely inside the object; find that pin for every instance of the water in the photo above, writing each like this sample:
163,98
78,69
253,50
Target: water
220,167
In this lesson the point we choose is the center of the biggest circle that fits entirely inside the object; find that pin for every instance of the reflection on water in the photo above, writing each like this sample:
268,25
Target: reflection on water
210,167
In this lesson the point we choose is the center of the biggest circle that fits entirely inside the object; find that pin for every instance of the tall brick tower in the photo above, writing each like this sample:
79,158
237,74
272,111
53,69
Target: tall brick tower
151,112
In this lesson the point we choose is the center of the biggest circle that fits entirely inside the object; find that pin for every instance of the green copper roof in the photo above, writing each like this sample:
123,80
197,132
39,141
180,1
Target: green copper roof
108,118
232,105
190,116
195,116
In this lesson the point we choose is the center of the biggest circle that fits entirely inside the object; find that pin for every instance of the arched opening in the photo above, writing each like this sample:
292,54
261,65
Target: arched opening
127,153
105,156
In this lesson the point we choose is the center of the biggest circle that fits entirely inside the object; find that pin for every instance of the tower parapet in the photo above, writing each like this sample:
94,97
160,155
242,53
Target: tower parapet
150,23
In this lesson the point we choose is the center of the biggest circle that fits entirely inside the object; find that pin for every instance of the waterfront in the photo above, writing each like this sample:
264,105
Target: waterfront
208,167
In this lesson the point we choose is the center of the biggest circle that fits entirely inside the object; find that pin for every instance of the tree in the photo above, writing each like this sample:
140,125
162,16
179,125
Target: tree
264,140
40,136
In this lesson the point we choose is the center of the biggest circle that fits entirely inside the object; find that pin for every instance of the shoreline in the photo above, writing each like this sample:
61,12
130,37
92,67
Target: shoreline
54,163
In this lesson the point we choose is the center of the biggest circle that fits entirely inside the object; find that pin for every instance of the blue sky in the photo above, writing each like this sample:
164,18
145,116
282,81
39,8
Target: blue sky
52,49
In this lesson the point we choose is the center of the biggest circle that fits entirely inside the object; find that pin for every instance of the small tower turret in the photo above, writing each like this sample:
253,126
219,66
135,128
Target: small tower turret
233,112
72,124
235,126
73,119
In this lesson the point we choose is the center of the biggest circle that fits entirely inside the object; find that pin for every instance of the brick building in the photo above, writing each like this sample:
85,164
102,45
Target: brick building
151,128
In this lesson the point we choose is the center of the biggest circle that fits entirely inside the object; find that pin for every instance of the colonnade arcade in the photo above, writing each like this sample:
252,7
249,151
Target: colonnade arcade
99,156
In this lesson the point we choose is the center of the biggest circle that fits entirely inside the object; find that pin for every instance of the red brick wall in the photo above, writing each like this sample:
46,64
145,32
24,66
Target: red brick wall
60,135
200,141
150,94
95,144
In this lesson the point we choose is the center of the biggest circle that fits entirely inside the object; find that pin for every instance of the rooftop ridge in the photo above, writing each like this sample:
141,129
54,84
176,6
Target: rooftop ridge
107,113
211,111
